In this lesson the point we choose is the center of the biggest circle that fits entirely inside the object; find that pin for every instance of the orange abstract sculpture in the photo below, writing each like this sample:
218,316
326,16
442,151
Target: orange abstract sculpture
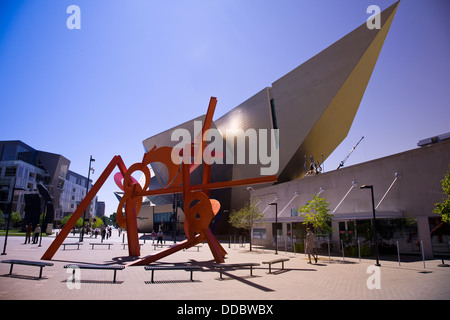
199,209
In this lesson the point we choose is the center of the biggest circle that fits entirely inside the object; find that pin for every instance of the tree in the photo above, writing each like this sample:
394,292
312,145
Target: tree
78,224
245,218
2,218
112,219
97,222
315,213
443,208
15,217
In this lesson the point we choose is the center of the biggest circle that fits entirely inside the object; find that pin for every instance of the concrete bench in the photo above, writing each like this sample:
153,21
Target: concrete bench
101,244
236,266
198,248
28,263
71,244
93,266
283,260
155,245
177,267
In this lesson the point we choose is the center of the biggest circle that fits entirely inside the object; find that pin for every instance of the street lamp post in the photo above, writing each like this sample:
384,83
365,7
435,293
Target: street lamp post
375,240
276,225
9,216
42,226
87,190
175,216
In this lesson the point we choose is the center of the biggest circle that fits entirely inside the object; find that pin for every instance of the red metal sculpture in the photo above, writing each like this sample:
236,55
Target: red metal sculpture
199,209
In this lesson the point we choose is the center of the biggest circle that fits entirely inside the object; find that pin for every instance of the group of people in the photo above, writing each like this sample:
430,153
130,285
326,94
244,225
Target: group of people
29,231
159,235
104,231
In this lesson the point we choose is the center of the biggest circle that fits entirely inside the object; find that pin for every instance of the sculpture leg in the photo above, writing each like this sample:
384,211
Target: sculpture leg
132,231
155,257
215,247
116,161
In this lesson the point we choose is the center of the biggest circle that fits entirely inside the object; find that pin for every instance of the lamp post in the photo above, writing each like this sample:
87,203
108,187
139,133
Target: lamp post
374,225
175,216
276,225
9,216
44,218
87,190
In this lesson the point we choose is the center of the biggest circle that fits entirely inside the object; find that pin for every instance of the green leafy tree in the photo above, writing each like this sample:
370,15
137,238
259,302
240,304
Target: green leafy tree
66,218
443,208
2,218
112,219
96,222
245,218
15,217
316,214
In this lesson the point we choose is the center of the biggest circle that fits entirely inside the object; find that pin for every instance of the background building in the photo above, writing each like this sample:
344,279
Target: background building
23,169
312,107
100,209
73,192
406,187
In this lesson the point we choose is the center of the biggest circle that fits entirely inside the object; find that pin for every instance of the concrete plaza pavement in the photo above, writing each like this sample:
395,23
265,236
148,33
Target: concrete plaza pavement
332,278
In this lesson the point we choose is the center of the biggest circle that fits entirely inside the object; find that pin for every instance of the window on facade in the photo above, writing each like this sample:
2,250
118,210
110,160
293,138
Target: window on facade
440,235
259,233
10,171
4,195
9,152
25,156
162,217
278,228
60,183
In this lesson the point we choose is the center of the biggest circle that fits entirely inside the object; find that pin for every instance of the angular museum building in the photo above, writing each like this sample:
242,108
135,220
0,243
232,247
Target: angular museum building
306,115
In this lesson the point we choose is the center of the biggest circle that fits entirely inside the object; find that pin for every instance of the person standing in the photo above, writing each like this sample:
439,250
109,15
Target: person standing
153,236
103,231
37,230
28,230
310,244
160,238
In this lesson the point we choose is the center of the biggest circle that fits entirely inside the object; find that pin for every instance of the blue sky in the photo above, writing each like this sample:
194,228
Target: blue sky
139,67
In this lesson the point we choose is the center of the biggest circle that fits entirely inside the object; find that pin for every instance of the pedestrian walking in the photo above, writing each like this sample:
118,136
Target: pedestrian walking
310,240
103,232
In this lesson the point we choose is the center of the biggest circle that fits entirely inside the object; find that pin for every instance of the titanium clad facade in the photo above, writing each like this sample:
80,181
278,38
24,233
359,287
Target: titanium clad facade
313,107
254,113
317,102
